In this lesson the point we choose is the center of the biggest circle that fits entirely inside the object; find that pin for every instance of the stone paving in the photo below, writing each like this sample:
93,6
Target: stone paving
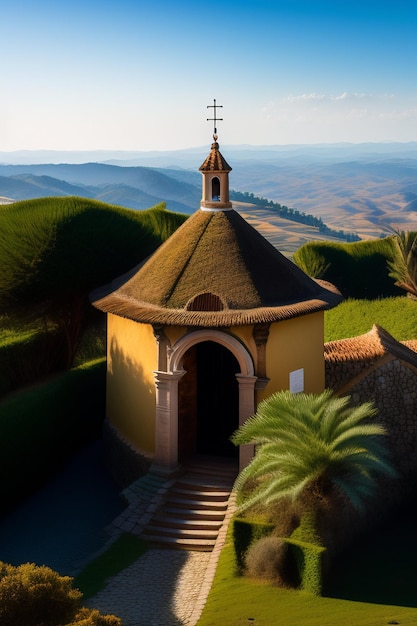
160,589
163,587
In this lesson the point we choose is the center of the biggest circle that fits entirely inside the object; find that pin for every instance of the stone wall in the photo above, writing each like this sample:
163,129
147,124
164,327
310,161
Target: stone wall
376,368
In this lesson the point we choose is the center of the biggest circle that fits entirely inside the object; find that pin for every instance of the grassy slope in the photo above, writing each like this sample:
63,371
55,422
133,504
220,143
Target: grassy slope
122,553
56,245
397,315
237,601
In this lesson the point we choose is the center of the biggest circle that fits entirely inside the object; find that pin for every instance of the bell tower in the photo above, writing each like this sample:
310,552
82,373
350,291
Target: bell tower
215,171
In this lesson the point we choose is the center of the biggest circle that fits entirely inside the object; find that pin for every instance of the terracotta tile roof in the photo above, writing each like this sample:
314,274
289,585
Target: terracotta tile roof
369,347
215,162
215,270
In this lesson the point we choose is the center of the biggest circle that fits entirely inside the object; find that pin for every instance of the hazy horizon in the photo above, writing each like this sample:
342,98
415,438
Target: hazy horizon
138,76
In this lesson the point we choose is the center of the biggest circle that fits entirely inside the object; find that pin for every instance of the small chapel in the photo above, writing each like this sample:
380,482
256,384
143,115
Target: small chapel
216,320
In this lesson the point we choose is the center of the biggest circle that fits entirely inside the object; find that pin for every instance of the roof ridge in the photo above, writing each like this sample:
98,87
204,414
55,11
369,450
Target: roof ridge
187,262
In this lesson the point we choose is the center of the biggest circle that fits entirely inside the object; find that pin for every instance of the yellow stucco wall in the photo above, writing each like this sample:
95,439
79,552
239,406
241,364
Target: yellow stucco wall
174,333
292,345
245,334
131,361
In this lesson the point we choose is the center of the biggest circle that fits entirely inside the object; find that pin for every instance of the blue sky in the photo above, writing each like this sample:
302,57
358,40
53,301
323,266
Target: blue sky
136,75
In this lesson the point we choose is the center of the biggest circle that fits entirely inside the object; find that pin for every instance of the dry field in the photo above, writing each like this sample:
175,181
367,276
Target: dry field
284,234
369,199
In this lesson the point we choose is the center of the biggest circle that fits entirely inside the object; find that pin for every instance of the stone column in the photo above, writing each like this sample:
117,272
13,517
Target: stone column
246,409
166,422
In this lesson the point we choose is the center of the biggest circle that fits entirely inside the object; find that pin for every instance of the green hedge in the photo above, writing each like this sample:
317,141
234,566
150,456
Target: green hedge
359,270
308,555
246,532
41,427
309,558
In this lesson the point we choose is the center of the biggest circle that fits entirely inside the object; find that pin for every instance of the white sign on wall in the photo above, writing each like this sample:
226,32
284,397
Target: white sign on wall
297,381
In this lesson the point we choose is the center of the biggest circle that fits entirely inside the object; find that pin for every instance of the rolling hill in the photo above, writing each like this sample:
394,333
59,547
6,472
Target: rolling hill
368,189
132,187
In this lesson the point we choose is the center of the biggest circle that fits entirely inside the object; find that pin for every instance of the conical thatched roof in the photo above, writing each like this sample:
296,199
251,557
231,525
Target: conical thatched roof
215,270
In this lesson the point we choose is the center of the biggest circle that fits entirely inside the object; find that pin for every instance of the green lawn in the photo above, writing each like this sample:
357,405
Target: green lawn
237,601
122,553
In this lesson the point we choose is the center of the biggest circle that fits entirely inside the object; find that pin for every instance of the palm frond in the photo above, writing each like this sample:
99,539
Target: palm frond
307,439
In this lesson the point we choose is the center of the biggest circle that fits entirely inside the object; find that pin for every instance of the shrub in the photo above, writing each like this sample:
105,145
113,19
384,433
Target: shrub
310,566
359,270
270,559
245,532
91,617
32,595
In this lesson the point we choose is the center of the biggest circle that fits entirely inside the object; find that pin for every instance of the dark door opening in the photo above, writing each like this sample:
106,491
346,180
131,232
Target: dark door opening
208,411
217,399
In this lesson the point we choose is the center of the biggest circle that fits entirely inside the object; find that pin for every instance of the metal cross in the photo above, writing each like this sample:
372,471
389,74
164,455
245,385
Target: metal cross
215,119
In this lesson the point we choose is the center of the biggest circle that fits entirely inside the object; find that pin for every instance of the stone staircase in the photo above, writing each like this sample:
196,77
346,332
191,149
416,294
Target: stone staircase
193,509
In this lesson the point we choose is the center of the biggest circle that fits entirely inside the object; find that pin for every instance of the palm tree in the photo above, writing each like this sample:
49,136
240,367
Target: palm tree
403,267
309,448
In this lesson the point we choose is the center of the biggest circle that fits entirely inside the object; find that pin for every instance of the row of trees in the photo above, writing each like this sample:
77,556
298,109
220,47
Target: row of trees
293,215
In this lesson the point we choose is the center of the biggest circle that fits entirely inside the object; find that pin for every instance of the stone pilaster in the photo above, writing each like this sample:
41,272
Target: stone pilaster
246,409
166,426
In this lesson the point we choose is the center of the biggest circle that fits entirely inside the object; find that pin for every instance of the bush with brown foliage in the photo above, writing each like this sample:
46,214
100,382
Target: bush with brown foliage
31,595
270,559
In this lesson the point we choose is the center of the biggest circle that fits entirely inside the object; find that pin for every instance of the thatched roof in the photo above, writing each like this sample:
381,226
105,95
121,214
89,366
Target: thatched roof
215,270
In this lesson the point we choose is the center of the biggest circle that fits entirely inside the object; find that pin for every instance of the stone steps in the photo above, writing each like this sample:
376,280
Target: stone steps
193,509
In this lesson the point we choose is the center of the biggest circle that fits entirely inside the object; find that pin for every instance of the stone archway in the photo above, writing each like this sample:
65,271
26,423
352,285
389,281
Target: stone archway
166,436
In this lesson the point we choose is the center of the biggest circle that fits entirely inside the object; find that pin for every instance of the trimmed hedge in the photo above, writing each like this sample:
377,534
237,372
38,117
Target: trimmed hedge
42,426
246,532
309,558
359,270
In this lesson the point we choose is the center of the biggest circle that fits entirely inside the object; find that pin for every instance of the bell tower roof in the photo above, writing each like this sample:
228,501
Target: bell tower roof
215,171
215,162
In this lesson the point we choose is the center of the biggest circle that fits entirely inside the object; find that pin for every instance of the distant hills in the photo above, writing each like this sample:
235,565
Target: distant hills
132,187
368,189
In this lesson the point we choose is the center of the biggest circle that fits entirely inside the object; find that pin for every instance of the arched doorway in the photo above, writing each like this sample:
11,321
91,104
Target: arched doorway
170,446
208,401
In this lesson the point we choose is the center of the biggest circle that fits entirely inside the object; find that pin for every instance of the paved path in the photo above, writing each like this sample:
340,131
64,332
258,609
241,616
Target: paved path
163,587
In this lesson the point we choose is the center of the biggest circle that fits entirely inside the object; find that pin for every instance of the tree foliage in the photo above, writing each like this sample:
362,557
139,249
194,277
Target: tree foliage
32,595
54,251
358,269
308,446
403,266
